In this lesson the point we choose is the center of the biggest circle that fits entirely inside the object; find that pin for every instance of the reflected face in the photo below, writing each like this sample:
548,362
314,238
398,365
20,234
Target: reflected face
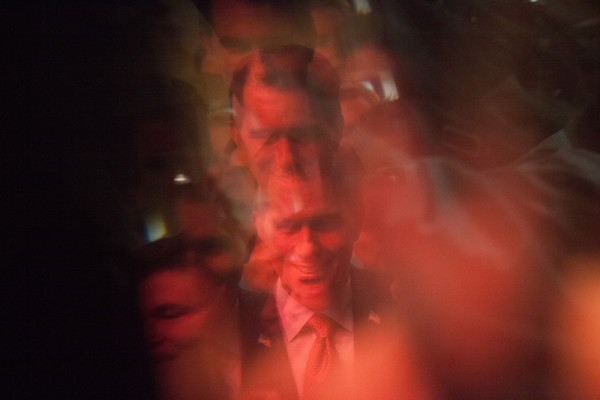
310,237
179,308
215,245
242,28
279,135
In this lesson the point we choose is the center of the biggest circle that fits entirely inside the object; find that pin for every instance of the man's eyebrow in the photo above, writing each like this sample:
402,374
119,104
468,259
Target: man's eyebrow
286,222
326,221
230,41
166,305
262,133
175,308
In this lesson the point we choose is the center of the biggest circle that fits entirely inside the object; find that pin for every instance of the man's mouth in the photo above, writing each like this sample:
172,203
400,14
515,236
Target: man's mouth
307,269
309,272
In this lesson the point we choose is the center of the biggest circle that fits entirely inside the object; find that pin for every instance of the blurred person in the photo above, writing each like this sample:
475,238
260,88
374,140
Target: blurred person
164,150
287,118
475,257
286,122
324,314
234,29
366,59
243,26
328,17
387,135
355,101
576,325
188,295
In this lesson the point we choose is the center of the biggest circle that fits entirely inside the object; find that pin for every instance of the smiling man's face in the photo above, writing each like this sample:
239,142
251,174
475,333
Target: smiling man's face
179,311
310,236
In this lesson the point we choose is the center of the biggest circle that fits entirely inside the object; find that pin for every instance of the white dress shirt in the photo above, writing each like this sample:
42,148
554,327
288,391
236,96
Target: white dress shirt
298,342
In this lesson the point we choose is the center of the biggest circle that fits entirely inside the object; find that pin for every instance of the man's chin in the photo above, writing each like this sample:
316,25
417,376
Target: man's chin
314,294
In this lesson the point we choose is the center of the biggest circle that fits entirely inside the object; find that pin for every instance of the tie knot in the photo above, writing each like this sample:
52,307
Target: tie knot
321,324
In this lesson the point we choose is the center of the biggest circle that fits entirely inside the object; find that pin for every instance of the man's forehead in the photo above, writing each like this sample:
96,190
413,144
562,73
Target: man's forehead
274,106
295,197
244,20
171,283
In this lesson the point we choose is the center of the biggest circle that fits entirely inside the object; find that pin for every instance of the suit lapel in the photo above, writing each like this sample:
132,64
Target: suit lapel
266,371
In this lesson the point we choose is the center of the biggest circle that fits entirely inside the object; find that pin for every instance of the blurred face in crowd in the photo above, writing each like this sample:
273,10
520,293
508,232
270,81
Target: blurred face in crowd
242,27
179,308
310,235
278,133
213,237
186,304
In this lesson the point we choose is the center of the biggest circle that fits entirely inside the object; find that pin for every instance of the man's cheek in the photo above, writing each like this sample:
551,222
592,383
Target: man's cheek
277,251
333,241
277,242
233,58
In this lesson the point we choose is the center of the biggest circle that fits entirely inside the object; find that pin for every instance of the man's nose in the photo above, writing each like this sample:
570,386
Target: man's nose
306,246
286,159
153,334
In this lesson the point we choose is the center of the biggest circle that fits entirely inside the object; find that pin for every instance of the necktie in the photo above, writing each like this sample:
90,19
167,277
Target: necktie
323,359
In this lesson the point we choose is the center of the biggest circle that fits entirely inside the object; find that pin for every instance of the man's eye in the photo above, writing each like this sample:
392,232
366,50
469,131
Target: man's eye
260,134
326,223
170,311
236,45
288,228
271,138
213,246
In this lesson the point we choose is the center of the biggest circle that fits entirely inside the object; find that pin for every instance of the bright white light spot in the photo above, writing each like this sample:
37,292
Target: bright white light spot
181,179
362,6
390,90
368,85
155,227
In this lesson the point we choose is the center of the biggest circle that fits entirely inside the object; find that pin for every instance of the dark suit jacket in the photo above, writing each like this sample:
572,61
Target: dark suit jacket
266,371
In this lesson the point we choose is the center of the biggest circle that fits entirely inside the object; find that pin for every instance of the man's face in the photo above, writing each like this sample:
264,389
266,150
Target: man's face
179,310
242,28
216,245
279,135
310,237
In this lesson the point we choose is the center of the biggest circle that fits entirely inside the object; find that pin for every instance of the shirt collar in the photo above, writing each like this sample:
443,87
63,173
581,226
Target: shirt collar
294,315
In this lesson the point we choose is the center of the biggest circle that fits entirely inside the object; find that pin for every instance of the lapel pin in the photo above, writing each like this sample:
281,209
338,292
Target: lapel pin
265,341
374,317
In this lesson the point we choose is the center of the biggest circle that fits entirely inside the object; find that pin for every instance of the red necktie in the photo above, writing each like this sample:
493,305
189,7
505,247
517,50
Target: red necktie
323,359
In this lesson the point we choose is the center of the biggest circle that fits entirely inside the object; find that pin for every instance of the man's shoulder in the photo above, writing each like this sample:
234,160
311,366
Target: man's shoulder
265,366
371,285
258,317
371,296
